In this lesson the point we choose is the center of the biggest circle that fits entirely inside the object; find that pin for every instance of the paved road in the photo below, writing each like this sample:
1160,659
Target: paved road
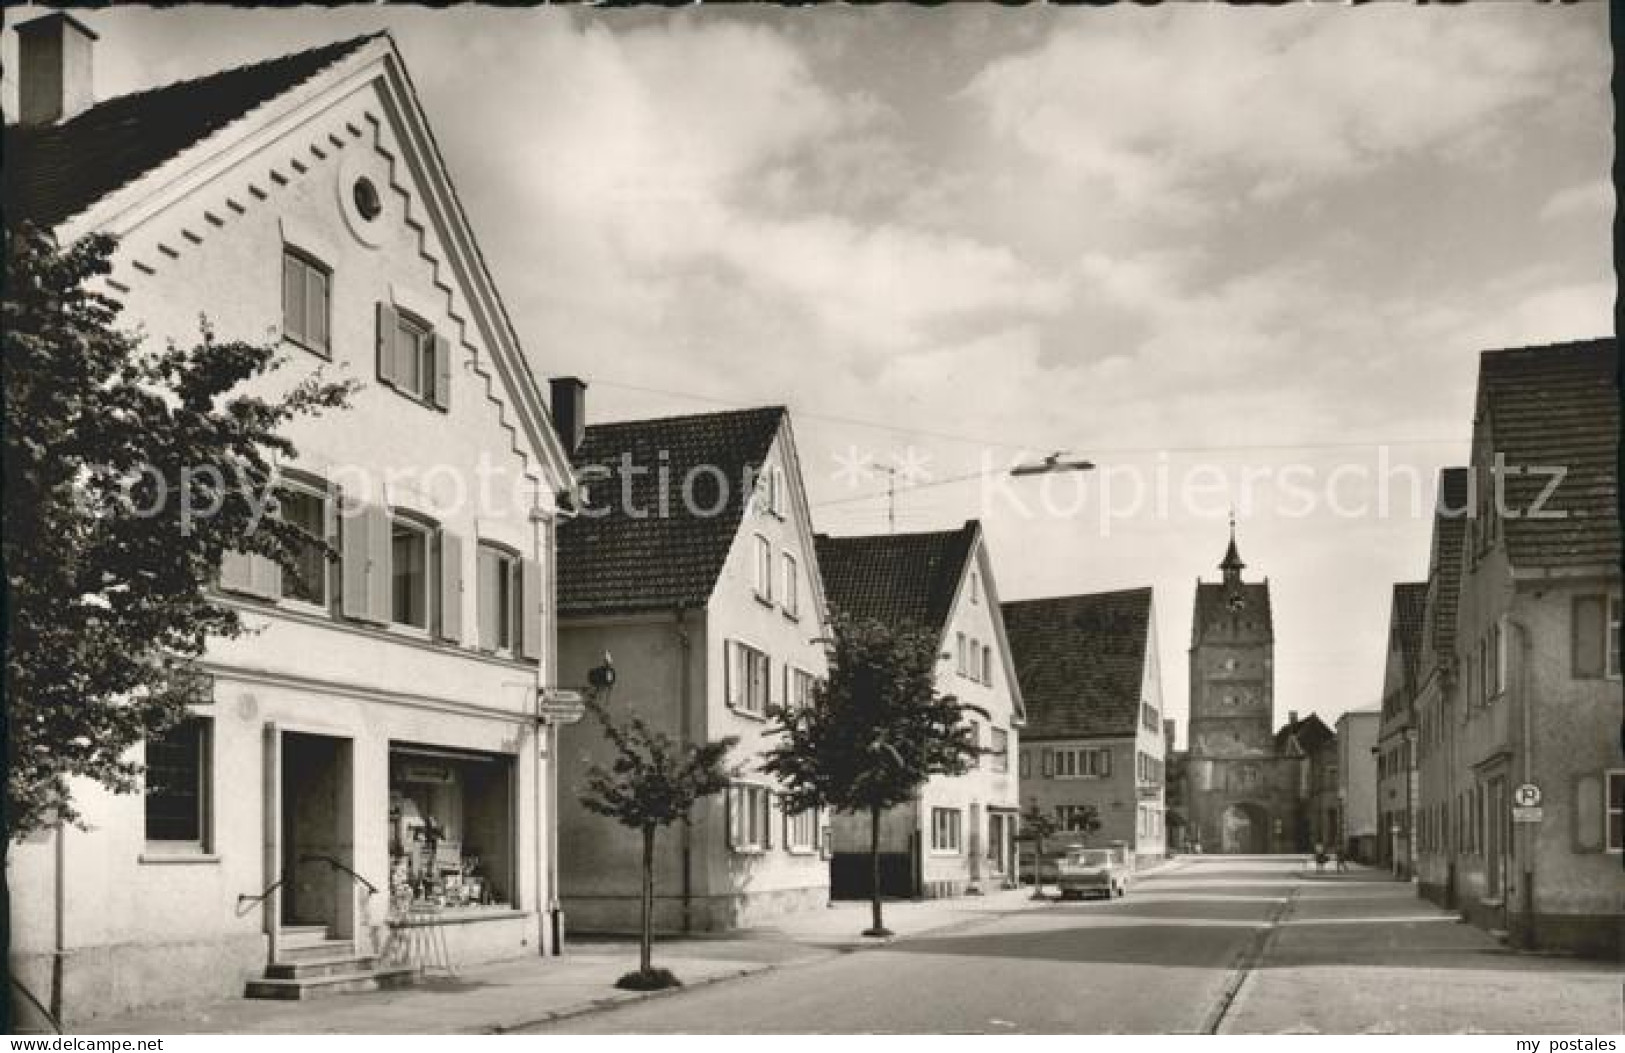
1158,961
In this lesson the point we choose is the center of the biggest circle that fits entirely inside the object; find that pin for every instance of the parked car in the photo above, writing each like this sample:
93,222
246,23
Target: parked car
1093,872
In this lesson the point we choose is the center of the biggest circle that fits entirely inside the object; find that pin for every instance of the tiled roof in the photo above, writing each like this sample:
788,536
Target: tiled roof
1080,661
622,561
1213,602
896,578
1556,407
1310,732
1405,623
1449,536
1405,637
54,172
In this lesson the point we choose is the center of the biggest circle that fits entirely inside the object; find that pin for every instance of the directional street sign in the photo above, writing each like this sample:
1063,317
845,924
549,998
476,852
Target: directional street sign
1527,796
1527,814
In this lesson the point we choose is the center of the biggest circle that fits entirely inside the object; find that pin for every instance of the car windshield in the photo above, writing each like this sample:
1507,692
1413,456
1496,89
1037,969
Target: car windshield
1092,857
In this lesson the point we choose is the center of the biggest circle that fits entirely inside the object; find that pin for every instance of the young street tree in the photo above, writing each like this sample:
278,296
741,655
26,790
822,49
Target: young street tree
129,473
1037,826
875,731
653,782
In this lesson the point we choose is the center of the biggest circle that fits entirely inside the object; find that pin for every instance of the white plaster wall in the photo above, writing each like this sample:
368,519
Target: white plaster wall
735,613
217,252
981,786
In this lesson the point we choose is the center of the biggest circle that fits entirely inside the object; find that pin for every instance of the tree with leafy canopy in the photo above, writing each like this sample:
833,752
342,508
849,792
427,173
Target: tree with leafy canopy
653,782
129,473
874,732
1038,826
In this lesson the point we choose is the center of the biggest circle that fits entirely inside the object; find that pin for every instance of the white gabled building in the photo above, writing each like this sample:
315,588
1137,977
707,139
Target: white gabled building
958,835
369,762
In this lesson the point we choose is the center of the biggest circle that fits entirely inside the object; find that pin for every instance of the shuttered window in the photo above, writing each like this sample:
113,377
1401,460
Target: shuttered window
801,831
306,508
498,591
305,302
1083,763
749,818
413,358
1616,812
791,599
1590,644
409,553
747,672
764,569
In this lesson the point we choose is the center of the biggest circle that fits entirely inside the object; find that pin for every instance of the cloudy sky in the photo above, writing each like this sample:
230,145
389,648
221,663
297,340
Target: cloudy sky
1196,244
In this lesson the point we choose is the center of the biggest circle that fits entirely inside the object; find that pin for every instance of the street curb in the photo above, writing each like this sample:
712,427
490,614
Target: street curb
1245,962
626,998
616,1001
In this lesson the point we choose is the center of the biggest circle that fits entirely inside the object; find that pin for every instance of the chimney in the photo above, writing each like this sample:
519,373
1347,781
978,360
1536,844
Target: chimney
54,56
569,411
1291,718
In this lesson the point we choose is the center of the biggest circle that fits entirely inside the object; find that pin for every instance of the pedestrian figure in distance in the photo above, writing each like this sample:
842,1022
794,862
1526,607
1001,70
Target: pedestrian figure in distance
1320,858
1342,861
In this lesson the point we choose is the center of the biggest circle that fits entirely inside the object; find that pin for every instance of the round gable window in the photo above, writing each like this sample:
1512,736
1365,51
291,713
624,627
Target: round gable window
367,202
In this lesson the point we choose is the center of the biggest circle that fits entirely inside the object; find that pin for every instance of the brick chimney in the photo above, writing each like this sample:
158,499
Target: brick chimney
569,411
54,61
1291,718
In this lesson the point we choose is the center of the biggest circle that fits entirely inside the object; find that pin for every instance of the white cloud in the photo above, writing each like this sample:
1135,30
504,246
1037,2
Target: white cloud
1154,103
1592,200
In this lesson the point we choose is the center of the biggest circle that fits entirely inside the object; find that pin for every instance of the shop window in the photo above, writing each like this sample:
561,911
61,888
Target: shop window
946,829
177,786
451,829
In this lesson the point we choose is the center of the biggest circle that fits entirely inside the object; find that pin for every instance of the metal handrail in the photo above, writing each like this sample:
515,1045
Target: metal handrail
372,889
243,898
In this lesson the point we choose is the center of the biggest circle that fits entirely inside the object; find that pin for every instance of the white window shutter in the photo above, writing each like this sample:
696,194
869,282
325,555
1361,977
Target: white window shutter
767,818
530,609
442,371
1105,764
451,587
379,564
730,675
1590,811
354,551
487,595
237,571
264,577
386,343
730,804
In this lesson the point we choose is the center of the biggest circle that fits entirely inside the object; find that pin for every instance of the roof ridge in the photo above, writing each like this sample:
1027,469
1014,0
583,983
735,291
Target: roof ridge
1081,595
683,417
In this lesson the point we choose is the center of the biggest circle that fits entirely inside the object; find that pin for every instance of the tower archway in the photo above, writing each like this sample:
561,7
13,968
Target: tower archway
1244,829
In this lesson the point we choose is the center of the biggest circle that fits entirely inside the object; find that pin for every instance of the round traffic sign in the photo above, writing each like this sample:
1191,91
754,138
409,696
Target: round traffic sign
1526,796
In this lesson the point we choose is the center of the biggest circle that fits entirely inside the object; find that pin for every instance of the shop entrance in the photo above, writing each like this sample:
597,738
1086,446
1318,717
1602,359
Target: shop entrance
317,841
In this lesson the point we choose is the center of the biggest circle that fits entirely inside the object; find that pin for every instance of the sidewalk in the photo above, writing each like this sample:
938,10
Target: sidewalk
1361,953
508,995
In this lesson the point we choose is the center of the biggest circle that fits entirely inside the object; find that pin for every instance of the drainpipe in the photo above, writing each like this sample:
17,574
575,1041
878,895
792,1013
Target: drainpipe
1526,746
59,936
685,648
